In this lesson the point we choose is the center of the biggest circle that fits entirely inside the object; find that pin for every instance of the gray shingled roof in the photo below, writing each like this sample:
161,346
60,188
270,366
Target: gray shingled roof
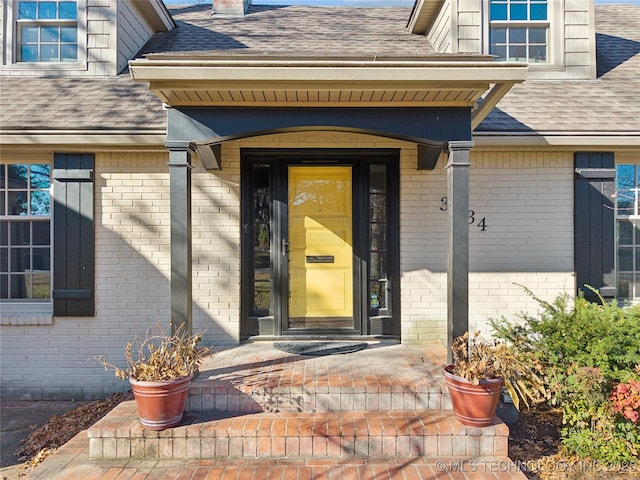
78,103
291,30
611,103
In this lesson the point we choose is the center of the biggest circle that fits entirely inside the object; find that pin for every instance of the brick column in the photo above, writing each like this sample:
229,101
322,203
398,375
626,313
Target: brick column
458,240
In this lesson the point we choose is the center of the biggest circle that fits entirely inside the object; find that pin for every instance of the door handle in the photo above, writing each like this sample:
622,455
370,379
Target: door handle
285,247
387,295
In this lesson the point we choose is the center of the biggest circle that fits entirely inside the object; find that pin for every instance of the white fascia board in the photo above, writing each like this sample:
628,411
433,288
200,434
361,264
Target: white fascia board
163,14
491,99
564,140
79,140
156,13
330,71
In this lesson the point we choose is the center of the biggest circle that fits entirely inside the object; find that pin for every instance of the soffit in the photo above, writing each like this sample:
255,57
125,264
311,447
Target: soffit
156,14
423,14
322,82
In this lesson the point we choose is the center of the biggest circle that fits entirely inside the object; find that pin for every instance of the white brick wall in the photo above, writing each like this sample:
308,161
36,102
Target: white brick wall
132,245
132,279
526,200
216,251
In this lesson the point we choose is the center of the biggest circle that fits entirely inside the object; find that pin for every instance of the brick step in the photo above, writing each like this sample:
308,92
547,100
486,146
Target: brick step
375,379
429,433
212,397
71,461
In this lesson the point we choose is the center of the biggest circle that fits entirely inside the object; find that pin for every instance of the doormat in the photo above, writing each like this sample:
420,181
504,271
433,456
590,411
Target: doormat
319,348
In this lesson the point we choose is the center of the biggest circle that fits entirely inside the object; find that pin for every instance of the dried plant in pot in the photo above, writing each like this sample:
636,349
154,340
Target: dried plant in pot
479,372
160,367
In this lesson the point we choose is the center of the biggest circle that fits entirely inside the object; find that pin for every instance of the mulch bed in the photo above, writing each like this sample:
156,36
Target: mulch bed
534,445
46,438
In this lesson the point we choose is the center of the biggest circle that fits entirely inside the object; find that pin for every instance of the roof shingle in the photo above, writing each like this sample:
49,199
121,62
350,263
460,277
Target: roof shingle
291,30
607,104
78,103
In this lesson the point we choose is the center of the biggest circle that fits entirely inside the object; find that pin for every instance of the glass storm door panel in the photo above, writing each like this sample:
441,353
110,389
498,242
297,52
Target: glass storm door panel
320,247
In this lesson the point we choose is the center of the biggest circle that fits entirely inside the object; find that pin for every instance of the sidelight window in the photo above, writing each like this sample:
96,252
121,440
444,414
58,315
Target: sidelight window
378,248
261,214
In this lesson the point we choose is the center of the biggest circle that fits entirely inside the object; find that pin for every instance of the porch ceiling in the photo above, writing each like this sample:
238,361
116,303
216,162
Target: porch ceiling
356,82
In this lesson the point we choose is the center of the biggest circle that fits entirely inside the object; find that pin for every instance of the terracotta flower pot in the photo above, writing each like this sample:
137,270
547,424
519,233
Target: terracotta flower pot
161,404
473,405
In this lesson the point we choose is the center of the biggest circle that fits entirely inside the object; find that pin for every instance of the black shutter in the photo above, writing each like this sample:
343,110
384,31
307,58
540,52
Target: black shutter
73,235
594,223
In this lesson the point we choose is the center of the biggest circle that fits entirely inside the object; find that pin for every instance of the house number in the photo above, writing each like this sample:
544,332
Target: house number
481,224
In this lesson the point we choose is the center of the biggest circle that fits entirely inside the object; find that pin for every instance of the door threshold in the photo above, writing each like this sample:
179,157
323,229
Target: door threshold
336,338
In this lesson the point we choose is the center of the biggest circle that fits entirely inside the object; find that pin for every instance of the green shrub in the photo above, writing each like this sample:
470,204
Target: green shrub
589,349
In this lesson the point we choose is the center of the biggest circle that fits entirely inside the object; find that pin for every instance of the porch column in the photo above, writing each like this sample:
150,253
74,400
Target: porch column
180,200
458,240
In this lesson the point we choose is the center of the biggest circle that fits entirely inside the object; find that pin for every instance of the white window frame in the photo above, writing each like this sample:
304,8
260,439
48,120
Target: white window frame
620,215
527,44
555,33
29,311
10,9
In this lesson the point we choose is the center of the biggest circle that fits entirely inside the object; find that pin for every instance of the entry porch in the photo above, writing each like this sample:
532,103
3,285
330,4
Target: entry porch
381,412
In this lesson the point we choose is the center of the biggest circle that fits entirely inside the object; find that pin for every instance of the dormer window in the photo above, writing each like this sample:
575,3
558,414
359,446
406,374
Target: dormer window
519,30
47,31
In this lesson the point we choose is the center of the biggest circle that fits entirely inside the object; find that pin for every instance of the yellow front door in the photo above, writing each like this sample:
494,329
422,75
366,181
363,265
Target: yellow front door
321,248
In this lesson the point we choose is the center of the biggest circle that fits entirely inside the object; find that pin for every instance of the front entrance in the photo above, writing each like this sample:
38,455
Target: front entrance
320,242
